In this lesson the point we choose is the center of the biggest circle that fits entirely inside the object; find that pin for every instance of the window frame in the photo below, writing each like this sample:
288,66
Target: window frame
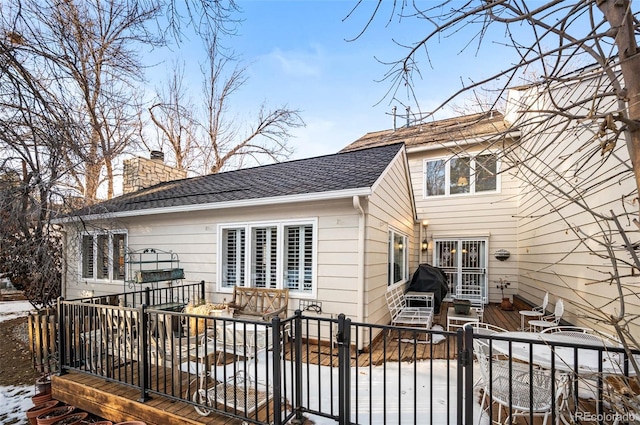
393,234
471,178
108,236
246,279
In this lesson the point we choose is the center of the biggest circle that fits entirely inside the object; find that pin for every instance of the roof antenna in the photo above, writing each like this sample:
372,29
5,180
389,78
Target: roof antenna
393,111
408,109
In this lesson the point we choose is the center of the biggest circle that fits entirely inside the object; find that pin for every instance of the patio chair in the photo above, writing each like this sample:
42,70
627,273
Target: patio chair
483,328
535,313
515,387
239,339
548,321
473,292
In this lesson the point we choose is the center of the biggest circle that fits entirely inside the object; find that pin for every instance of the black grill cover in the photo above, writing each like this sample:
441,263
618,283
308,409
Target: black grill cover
430,279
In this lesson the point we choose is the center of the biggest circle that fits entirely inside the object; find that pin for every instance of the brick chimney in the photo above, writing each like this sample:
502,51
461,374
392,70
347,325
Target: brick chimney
142,172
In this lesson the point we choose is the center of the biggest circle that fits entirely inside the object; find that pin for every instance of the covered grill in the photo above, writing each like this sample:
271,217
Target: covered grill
430,279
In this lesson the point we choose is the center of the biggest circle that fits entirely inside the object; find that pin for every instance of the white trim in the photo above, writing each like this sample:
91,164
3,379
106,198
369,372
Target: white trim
405,273
458,241
513,134
277,200
110,255
472,180
279,225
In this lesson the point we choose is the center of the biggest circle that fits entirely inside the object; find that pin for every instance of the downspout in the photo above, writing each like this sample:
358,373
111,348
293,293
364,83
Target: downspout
361,236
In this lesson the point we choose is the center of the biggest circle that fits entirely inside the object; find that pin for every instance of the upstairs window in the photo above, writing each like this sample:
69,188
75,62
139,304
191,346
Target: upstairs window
461,175
102,256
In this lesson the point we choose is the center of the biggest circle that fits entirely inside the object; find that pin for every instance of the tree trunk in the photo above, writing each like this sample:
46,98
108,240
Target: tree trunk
619,15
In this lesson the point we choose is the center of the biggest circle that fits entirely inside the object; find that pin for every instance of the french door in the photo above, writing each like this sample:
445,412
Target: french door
464,262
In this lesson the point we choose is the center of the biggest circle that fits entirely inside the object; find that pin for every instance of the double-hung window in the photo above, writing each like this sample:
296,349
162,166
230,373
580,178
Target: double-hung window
102,256
272,255
398,260
460,175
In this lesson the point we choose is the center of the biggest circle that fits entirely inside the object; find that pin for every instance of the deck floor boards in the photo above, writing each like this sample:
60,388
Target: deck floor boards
103,397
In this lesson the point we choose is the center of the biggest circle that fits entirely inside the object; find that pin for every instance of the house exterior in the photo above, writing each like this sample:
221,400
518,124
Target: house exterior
333,229
576,175
463,219
521,198
528,198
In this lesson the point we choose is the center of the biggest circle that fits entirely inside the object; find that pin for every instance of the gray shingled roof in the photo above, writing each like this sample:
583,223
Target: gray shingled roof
341,171
437,132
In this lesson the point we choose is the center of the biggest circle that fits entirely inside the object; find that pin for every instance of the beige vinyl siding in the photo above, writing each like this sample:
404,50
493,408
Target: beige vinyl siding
390,206
552,257
193,236
490,215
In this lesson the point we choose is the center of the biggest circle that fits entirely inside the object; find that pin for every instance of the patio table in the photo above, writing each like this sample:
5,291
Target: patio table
538,348
455,320
529,314
577,364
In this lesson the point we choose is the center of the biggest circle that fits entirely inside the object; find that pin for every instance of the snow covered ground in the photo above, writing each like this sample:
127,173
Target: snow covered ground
15,400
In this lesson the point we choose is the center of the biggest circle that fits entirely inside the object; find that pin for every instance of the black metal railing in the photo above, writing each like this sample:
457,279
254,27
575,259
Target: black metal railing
333,368
567,376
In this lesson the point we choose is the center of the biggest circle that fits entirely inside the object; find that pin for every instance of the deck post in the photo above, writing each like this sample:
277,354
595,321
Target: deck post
143,353
344,373
460,375
277,334
297,385
468,373
61,338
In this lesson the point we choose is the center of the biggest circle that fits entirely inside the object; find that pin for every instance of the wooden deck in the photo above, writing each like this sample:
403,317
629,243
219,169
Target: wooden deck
118,402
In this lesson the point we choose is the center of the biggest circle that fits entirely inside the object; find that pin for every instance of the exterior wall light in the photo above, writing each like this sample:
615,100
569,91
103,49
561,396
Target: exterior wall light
425,242
502,254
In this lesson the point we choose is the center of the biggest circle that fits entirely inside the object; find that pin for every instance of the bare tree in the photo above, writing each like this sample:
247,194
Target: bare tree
575,84
34,131
211,140
69,72
89,48
172,116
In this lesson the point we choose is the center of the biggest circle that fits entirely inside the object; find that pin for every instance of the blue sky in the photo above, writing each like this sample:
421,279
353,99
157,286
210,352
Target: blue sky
297,55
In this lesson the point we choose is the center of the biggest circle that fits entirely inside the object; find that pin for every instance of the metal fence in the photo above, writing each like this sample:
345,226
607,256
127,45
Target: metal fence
333,368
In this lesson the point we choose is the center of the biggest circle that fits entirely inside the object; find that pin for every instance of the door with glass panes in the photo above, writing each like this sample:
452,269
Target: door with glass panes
464,262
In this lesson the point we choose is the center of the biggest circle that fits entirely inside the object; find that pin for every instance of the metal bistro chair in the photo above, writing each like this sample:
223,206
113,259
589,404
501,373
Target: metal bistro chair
550,320
515,387
473,292
535,313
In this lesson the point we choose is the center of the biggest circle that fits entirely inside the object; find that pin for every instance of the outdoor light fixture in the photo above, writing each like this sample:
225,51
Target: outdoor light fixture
425,242
502,254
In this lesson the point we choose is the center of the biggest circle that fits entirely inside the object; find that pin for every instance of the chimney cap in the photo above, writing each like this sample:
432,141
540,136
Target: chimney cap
157,155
